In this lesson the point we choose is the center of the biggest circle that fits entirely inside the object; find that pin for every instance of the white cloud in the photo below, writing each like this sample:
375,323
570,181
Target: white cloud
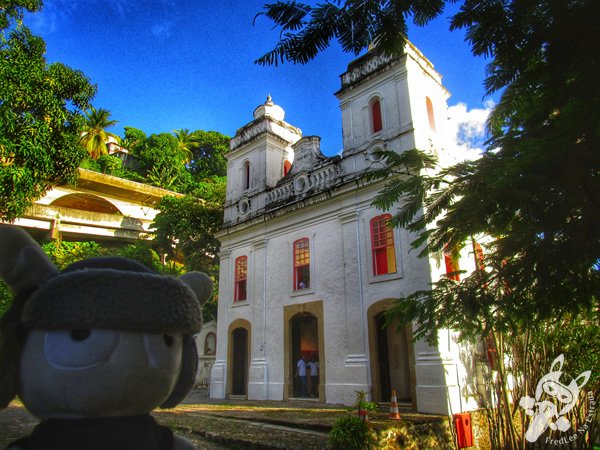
52,16
56,14
465,130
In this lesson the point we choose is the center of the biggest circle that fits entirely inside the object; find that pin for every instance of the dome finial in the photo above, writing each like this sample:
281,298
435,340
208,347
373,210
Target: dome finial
269,109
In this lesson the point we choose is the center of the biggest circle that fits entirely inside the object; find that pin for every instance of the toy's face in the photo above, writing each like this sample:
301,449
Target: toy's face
97,372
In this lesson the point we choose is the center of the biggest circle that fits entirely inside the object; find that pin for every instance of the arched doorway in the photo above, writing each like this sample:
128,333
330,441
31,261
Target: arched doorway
240,361
305,347
239,357
303,333
392,358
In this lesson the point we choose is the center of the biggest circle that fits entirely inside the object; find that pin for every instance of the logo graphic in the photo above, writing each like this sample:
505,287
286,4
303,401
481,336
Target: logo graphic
558,400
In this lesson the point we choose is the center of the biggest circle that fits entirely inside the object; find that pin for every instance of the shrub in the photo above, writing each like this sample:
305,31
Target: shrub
350,433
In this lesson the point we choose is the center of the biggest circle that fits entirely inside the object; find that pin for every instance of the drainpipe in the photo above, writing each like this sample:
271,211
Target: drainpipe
361,290
264,340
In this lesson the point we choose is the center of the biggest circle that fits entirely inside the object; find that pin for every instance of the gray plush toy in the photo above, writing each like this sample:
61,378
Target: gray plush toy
93,349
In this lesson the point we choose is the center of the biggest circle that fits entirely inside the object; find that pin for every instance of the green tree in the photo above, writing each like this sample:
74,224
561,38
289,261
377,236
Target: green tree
12,11
186,143
40,115
161,162
133,138
308,30
94,137
185,229
209,154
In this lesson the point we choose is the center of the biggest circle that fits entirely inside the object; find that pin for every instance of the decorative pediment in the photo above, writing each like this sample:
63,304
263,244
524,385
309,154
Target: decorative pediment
307,155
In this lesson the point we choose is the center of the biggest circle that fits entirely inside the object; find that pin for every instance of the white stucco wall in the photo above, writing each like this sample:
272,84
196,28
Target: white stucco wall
331,207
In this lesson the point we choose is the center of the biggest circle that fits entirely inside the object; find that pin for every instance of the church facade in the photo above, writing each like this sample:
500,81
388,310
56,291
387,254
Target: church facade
309,265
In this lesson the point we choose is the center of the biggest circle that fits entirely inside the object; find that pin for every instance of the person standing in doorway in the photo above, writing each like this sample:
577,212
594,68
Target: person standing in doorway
301,374
313,367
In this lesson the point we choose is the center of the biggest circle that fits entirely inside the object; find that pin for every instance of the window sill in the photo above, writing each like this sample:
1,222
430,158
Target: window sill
239,303
383,278
299,292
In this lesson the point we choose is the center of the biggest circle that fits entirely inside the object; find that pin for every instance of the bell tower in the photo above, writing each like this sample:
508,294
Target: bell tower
392,103
259,155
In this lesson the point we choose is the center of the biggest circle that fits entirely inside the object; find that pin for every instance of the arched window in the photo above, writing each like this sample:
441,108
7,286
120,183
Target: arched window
210,344
376,115
246,175
241,277
301,264
382,244
286,167
430,114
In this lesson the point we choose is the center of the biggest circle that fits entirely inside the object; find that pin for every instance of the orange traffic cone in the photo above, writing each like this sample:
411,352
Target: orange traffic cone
394,413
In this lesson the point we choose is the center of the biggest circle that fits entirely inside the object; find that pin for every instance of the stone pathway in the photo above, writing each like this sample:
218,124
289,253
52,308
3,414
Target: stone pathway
16,422
227,424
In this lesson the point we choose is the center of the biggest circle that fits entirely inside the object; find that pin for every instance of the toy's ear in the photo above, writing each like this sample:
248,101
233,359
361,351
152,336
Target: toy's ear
24,267
23,264
187,375
200,283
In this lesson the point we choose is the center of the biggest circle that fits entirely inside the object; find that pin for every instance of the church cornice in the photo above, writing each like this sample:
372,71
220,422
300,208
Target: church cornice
283,131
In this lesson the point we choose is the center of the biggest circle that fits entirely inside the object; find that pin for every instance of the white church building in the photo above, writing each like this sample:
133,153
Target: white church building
309,266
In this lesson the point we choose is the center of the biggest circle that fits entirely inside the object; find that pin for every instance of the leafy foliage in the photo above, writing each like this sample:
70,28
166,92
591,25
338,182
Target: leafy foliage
209,154
307,30
186,143
185,228
161,161
133,138
108,164
350,433
12,11
534,192
40,119
64,253
94,137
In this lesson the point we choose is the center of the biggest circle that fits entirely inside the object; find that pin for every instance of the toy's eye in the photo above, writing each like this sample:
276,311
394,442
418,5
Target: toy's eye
163,350
80,348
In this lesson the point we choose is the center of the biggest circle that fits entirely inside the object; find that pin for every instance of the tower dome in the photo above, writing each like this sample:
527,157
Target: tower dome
269,109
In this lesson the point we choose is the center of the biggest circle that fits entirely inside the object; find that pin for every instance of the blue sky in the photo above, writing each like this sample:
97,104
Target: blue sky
162,65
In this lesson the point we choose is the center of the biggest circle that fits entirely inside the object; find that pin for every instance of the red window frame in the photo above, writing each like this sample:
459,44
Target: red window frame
376,116
241,278
301,264
478,254
246,178
382,245
451,263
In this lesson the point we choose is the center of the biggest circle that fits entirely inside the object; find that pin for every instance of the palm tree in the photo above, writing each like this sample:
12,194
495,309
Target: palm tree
186,142
94,137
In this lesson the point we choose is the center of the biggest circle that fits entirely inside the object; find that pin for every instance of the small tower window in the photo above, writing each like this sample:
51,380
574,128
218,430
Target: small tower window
430,114
301,264
241,276
382,240
246,176
376,115
286,167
